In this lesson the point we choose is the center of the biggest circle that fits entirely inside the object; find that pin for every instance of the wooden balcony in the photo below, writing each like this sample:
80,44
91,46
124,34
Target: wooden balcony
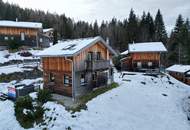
92,65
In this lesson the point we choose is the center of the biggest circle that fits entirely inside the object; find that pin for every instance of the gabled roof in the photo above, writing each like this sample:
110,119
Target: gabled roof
147,47
72,47
179,68
5,23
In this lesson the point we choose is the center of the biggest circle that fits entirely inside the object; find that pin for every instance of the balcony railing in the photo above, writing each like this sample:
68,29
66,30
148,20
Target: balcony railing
92,65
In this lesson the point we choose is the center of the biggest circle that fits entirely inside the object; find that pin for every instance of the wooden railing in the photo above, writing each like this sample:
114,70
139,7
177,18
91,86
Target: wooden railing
92,65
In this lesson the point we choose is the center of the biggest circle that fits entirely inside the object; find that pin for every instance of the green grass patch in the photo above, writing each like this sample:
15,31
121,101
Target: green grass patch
84,99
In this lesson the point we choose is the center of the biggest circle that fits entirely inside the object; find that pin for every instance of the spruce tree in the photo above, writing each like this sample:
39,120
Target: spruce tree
160,31
132,27
55,39
150,27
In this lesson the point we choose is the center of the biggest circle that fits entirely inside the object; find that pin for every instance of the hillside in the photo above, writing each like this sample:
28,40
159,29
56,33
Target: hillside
140,102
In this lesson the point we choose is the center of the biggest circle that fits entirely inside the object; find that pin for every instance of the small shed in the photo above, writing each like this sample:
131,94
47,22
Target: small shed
180,72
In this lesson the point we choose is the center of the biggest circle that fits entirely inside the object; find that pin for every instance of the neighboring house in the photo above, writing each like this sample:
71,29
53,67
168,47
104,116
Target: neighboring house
48,32
47,36
74,67
143,56
180,72
26,33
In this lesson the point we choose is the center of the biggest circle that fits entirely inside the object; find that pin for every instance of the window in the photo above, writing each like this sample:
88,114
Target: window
98,55
149,63
82,79
41,40
90,56
22,36
12,38
67,80
51,77
139,64
6,38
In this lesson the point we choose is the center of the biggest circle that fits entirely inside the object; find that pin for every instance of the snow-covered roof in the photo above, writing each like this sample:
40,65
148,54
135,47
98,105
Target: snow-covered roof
179,68
47,30
5,23
125,52
72,47
147,47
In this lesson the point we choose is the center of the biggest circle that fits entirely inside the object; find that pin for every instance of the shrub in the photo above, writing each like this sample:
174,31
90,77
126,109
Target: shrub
26,114
24,102
116,62
13,45
25,54
44,96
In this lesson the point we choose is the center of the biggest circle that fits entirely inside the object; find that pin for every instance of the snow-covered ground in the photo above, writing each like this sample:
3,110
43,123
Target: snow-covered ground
139,103
5,56
16,68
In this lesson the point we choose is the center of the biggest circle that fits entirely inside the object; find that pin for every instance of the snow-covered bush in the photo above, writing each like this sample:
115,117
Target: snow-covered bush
24,102
44,96
26,113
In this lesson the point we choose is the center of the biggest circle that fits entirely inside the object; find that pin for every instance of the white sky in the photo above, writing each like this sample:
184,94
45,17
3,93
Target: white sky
91,10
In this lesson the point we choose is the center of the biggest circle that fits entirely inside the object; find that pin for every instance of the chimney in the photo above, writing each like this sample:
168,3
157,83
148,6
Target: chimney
107,41
16,19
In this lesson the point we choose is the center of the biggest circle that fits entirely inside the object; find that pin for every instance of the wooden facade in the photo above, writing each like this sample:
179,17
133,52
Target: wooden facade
24,36
58,67
17,31
61,66
183,77
141,61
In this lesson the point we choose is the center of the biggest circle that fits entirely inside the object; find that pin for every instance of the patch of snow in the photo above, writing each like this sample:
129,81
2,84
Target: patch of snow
47,30
5,56
179,68
6,23
147,47
125,52
13,68
7,117
33,95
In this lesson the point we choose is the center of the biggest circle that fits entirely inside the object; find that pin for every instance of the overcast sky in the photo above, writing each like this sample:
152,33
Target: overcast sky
91,10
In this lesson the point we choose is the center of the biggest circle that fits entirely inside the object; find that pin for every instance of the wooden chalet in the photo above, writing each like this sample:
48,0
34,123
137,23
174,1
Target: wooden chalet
25,33
74,67
180,72
143,56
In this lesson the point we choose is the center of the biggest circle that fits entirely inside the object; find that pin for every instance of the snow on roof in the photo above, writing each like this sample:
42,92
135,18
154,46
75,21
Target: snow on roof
47,30
5,23
72,47
147,47
179,68
125,52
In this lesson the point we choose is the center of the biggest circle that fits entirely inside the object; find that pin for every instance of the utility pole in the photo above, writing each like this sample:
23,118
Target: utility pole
179,54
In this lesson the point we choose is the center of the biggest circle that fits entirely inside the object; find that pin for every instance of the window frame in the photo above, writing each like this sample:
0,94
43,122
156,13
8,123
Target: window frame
67,80
51,77
22,36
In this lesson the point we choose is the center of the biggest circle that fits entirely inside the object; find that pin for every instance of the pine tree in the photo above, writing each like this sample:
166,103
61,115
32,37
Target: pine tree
143,29
160,31
150,27
96,29
55,40
132,27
